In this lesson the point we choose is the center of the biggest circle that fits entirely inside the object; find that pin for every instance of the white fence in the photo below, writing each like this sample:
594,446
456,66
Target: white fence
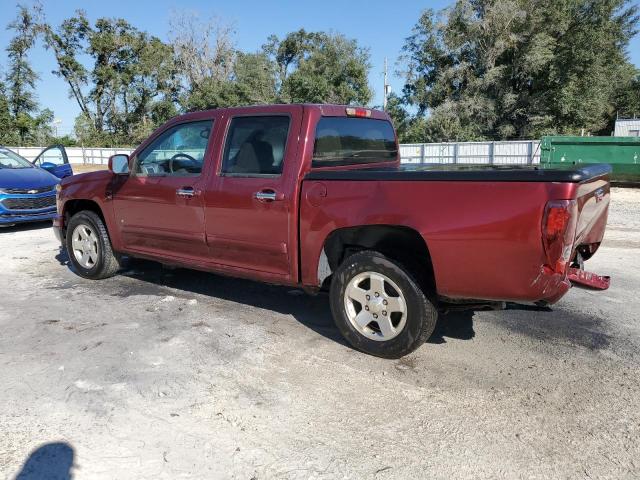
77,155
499,153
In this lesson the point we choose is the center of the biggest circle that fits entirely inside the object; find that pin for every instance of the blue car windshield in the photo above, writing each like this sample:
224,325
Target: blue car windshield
9,159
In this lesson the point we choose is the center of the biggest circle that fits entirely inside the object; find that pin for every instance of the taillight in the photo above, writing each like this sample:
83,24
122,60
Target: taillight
358,112
558,232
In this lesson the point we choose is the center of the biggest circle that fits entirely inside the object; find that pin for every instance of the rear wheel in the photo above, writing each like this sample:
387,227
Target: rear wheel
379,306
89,247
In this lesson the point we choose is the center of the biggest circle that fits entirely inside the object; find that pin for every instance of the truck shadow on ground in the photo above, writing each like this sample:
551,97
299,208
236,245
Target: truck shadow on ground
49,461
311,311
541,323
25,227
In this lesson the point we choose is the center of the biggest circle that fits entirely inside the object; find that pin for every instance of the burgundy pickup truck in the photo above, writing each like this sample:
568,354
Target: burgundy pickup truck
314,196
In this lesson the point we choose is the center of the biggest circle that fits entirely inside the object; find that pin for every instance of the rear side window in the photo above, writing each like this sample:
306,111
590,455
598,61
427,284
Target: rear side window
255,145
353,141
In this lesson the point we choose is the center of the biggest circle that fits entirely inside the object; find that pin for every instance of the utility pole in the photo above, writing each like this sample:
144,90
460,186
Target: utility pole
385,90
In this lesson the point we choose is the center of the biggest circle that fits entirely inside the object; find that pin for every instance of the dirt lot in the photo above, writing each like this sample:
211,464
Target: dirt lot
175,374
87,167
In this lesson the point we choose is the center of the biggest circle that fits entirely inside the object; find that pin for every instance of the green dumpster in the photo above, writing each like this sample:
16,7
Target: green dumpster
622,153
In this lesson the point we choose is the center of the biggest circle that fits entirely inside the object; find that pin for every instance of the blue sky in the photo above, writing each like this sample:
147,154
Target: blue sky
379,25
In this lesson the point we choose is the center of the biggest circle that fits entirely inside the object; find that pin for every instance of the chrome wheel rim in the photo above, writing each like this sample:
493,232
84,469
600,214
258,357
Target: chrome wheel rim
375,306
84,243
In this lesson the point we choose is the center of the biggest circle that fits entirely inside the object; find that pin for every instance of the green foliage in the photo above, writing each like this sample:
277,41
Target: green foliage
19,98
327,68
252,81
65,140
312,67
628,101
131,87
487,69
8,133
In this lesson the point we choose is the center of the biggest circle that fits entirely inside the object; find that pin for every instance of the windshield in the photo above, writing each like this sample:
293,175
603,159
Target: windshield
9,159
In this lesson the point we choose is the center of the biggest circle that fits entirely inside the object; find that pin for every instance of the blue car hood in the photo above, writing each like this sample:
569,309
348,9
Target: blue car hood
26,178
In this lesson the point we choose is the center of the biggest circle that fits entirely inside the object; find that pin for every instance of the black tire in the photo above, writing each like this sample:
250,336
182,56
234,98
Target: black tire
421,314
107,263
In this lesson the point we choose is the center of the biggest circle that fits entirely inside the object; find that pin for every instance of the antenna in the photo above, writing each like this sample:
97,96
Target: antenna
385,90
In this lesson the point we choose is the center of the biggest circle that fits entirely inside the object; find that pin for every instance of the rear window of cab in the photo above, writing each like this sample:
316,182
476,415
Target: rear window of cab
353,141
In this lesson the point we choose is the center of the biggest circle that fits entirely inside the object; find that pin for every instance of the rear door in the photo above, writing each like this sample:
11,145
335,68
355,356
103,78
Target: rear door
251,222
54,159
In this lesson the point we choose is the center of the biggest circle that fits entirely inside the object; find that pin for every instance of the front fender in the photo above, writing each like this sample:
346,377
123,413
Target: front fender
81,192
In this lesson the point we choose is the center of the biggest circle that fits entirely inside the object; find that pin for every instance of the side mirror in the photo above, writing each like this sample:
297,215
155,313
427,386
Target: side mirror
49,167
119,164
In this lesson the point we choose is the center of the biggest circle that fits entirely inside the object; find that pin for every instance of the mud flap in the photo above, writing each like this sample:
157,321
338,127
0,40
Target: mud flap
580,278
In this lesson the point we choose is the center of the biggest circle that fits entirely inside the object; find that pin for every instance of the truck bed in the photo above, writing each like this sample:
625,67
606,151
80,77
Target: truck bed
482,225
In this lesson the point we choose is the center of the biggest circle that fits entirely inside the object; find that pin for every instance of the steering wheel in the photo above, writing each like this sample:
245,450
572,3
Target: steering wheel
179,155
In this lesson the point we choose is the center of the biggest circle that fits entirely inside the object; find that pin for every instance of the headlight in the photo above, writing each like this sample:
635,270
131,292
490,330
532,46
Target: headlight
58,187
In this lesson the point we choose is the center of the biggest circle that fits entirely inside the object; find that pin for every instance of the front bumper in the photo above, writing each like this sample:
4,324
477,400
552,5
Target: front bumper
21,208
58,228
9,220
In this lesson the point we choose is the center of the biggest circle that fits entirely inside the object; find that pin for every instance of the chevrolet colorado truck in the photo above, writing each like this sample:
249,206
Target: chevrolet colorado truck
314,196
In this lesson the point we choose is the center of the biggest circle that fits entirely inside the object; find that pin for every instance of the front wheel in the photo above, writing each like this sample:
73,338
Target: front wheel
89,247
379,307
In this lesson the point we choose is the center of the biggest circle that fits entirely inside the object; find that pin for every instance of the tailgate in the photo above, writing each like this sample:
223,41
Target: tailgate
573,230
593,197
593,207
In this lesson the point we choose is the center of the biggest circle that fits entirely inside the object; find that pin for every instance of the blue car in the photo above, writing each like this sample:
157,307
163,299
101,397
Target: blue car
28,190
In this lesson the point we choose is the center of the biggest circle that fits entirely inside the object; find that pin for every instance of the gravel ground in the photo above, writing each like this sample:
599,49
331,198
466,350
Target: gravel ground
165,374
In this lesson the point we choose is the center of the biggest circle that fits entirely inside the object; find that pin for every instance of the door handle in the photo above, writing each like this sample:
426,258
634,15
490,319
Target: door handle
267,196
185,192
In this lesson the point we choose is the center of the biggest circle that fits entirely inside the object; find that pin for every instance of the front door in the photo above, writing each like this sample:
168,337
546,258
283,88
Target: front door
159,206
251,224
54,159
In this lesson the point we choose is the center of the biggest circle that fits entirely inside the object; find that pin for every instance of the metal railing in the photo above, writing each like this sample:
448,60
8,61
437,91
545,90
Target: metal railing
499,153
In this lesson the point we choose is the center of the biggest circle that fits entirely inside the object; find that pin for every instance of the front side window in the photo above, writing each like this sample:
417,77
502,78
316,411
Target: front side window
255,145
179,151
353,141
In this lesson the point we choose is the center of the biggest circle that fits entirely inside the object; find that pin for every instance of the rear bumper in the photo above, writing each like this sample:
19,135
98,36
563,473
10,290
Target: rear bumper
583,279
557,285
548,287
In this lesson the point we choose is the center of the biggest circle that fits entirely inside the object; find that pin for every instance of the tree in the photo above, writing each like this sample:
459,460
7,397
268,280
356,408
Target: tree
518,68
21,79
410,128
318,67
8,134
204,50
628,101
132,86
313,67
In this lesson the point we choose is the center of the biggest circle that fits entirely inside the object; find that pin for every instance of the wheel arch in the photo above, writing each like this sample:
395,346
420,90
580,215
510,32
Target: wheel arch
401,243
76,205
73,206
